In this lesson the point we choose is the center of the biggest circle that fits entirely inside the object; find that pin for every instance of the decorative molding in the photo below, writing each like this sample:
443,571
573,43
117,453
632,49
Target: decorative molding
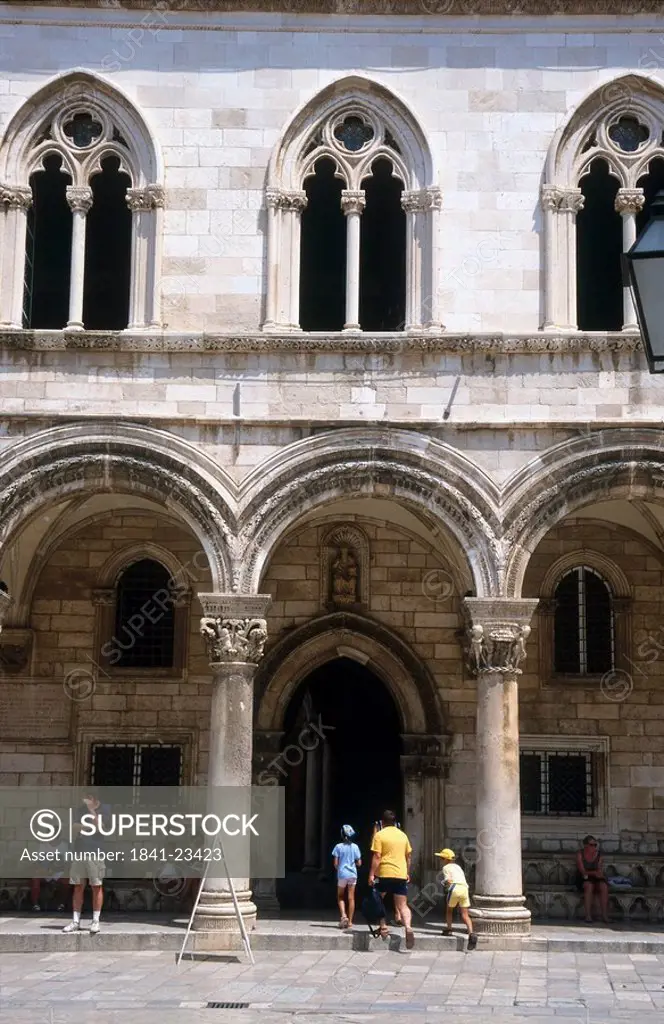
572,200
497,343
79,198
103,597
420,8
422,200
629,200
294,200
425,756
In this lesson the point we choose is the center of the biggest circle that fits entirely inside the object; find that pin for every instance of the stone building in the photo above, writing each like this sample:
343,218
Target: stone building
312,324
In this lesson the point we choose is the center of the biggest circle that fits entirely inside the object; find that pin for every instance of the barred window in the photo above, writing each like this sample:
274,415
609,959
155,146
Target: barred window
144,617
584,641
560,783
136,764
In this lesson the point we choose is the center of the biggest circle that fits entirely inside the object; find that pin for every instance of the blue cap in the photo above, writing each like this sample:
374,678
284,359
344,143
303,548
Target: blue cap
348,831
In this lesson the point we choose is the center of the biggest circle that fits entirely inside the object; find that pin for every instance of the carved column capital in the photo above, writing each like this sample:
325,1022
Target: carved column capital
353,200
572,200
234,628
629,200
414,201
16,197
15,651
551,196
496,635
103,596
295,201
273,198
79,198
142,199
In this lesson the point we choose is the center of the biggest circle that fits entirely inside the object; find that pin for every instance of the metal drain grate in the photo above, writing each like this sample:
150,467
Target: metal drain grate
228,1006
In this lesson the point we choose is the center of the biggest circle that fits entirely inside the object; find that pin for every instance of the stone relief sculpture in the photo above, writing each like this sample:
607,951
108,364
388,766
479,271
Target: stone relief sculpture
344,577
344,568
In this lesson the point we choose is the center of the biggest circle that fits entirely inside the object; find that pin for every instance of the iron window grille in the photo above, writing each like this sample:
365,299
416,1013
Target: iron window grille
136,764
584,634
144,617
558,783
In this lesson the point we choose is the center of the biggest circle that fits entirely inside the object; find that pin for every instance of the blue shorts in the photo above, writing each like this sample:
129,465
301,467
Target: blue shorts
394,886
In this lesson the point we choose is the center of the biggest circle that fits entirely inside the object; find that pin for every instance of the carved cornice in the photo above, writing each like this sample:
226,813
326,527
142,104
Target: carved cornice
450,8
497,343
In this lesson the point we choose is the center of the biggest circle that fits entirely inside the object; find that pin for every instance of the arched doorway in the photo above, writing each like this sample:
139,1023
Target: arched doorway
350,776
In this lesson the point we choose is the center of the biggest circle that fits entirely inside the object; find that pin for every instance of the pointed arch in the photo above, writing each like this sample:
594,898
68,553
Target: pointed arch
92,128
391,132
618,127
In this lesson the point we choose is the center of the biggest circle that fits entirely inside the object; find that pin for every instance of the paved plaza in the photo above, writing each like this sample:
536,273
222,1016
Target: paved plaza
499,987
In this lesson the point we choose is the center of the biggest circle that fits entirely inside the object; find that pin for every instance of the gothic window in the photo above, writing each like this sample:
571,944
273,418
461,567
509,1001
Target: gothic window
583,624
352,218
144,617
81,211
602,173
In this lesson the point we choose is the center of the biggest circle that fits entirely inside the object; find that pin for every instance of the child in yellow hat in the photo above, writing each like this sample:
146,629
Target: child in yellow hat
456,889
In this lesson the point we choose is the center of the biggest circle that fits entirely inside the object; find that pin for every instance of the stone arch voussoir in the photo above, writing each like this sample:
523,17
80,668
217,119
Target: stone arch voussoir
69,461
433,480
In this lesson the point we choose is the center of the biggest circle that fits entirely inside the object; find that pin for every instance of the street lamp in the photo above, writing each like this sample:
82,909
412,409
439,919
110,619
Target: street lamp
645,266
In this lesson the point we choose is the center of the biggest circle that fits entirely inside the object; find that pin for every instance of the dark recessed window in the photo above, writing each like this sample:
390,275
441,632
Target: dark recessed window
559,783
583,624
144,618
136,764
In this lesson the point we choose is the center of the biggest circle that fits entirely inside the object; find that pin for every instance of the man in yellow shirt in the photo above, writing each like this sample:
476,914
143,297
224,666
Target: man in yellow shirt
390,871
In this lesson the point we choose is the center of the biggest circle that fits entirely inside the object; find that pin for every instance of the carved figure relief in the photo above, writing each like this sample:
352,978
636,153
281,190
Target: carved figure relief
345,568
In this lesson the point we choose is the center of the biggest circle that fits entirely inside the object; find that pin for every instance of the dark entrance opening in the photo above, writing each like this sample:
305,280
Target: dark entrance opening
349,778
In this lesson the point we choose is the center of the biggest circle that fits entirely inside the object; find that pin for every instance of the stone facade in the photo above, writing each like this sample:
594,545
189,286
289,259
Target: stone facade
448,475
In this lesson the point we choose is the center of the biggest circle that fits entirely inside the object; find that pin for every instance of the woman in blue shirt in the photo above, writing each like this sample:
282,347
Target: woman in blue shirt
347,859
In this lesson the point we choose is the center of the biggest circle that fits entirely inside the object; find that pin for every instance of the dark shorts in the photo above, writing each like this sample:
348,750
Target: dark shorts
394,886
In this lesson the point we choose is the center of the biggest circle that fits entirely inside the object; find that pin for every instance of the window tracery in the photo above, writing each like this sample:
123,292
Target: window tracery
69,145
361,173
591,220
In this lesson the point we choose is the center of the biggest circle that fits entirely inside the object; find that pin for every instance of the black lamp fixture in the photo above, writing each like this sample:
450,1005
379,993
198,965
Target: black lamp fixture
645,268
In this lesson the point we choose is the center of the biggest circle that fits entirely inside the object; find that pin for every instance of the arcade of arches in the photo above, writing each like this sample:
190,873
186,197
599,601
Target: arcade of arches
372,618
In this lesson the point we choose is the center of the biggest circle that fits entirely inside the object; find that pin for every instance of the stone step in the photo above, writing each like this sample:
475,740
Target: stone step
27,934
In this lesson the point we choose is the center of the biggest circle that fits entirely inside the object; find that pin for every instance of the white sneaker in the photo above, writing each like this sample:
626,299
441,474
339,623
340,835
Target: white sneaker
94,927
73,926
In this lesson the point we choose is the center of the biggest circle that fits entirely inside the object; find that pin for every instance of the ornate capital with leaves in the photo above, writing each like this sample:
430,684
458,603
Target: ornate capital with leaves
234,628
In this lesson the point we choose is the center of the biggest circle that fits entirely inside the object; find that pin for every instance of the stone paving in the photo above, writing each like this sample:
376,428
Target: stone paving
498,987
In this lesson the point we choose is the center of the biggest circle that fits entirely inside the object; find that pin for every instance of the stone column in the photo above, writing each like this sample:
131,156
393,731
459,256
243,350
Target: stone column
353,202
550,197
234,630
434,204
629,201
293,204
412,203
80,202
571,203
16,201
273,199
144,204
497,632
